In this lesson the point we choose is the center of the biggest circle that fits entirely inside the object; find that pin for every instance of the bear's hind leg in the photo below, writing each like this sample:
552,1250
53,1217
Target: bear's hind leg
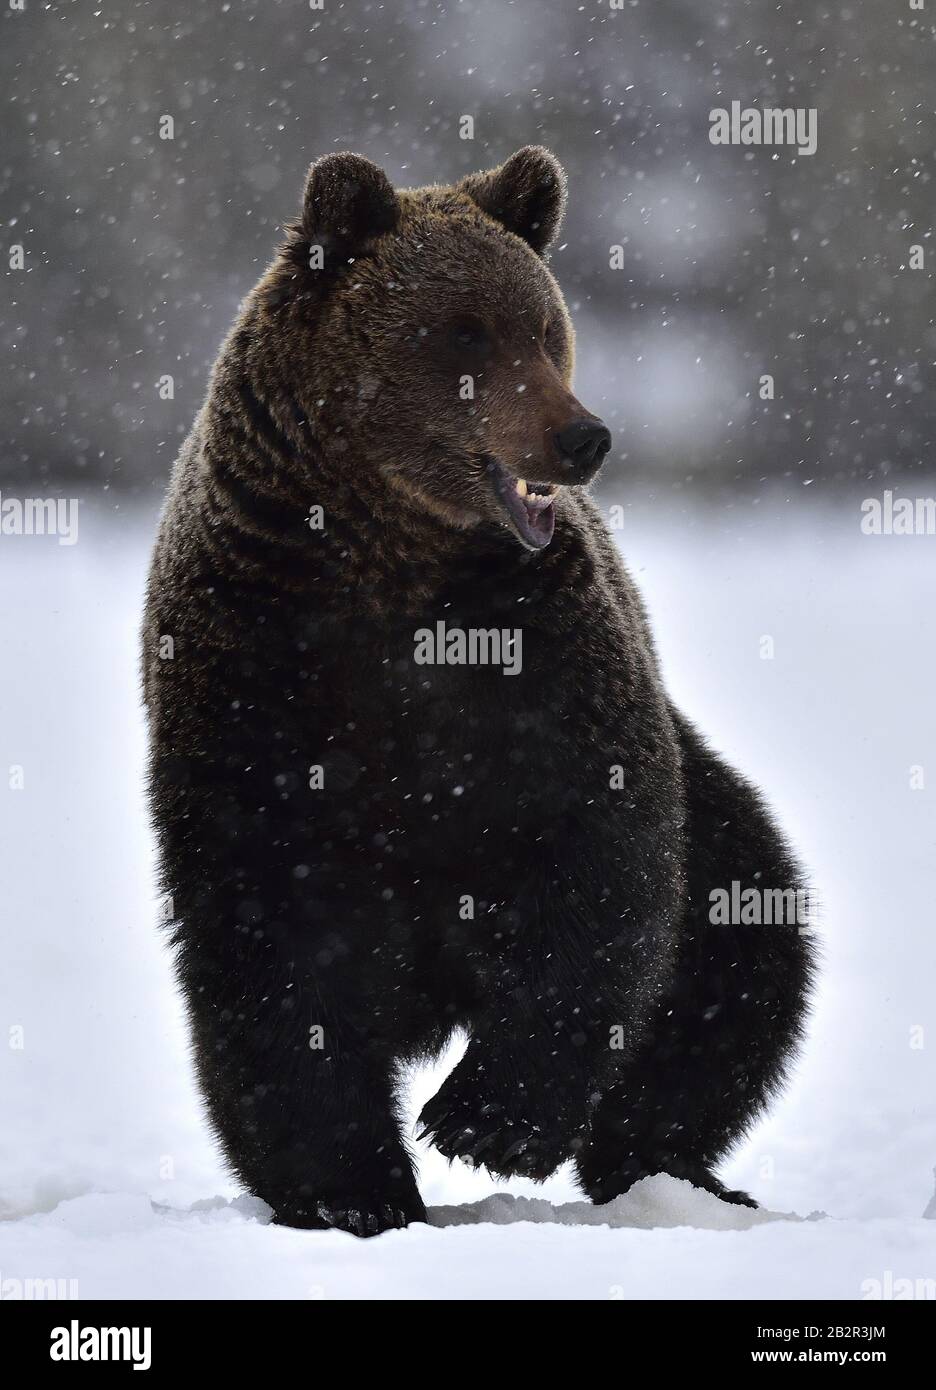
721,1040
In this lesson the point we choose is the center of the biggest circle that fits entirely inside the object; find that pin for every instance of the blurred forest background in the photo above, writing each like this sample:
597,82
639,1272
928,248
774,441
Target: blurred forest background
738,261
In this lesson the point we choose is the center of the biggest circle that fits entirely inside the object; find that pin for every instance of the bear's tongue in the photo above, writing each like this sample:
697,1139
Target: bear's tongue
530,506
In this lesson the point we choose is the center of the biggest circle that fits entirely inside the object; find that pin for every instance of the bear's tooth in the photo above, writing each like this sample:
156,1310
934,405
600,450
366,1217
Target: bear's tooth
522,487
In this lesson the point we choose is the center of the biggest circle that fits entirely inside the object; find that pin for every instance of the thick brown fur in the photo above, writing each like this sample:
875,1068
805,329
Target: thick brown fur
578,816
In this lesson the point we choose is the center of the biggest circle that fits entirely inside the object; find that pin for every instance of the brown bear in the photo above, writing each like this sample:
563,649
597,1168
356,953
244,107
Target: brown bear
413,767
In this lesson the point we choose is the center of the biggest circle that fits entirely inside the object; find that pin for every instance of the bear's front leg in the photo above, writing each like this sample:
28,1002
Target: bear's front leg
300,1092
498,1110
293,1039
558,984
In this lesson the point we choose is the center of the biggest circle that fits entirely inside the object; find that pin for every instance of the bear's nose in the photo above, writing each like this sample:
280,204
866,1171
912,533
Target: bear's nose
583,445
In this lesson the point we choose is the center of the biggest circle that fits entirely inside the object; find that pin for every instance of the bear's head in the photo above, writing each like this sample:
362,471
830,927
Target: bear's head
434,321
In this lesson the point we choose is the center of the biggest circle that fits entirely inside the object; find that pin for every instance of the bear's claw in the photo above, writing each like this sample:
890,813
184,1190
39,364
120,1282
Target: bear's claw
362,1218
738,1198
505,1147
621,1181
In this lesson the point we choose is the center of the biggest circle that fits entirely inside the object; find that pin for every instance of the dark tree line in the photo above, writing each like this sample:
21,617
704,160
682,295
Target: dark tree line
736,262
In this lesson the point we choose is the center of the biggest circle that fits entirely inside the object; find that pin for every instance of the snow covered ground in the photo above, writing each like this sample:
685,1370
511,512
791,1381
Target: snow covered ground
664,1239
103,1150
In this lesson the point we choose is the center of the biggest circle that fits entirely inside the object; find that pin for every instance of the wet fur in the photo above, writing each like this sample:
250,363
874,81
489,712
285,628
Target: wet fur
341,908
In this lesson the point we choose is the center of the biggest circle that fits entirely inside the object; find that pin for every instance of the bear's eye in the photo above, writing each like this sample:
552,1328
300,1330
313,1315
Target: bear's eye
469,333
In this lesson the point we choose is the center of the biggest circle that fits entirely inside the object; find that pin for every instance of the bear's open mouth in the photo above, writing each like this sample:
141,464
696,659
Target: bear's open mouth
529,506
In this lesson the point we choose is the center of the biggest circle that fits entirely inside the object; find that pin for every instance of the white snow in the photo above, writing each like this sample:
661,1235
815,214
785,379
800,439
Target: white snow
665,1239
103,1149
662,1240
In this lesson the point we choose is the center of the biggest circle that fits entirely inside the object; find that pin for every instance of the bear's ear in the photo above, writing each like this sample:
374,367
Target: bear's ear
348,202
527,194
